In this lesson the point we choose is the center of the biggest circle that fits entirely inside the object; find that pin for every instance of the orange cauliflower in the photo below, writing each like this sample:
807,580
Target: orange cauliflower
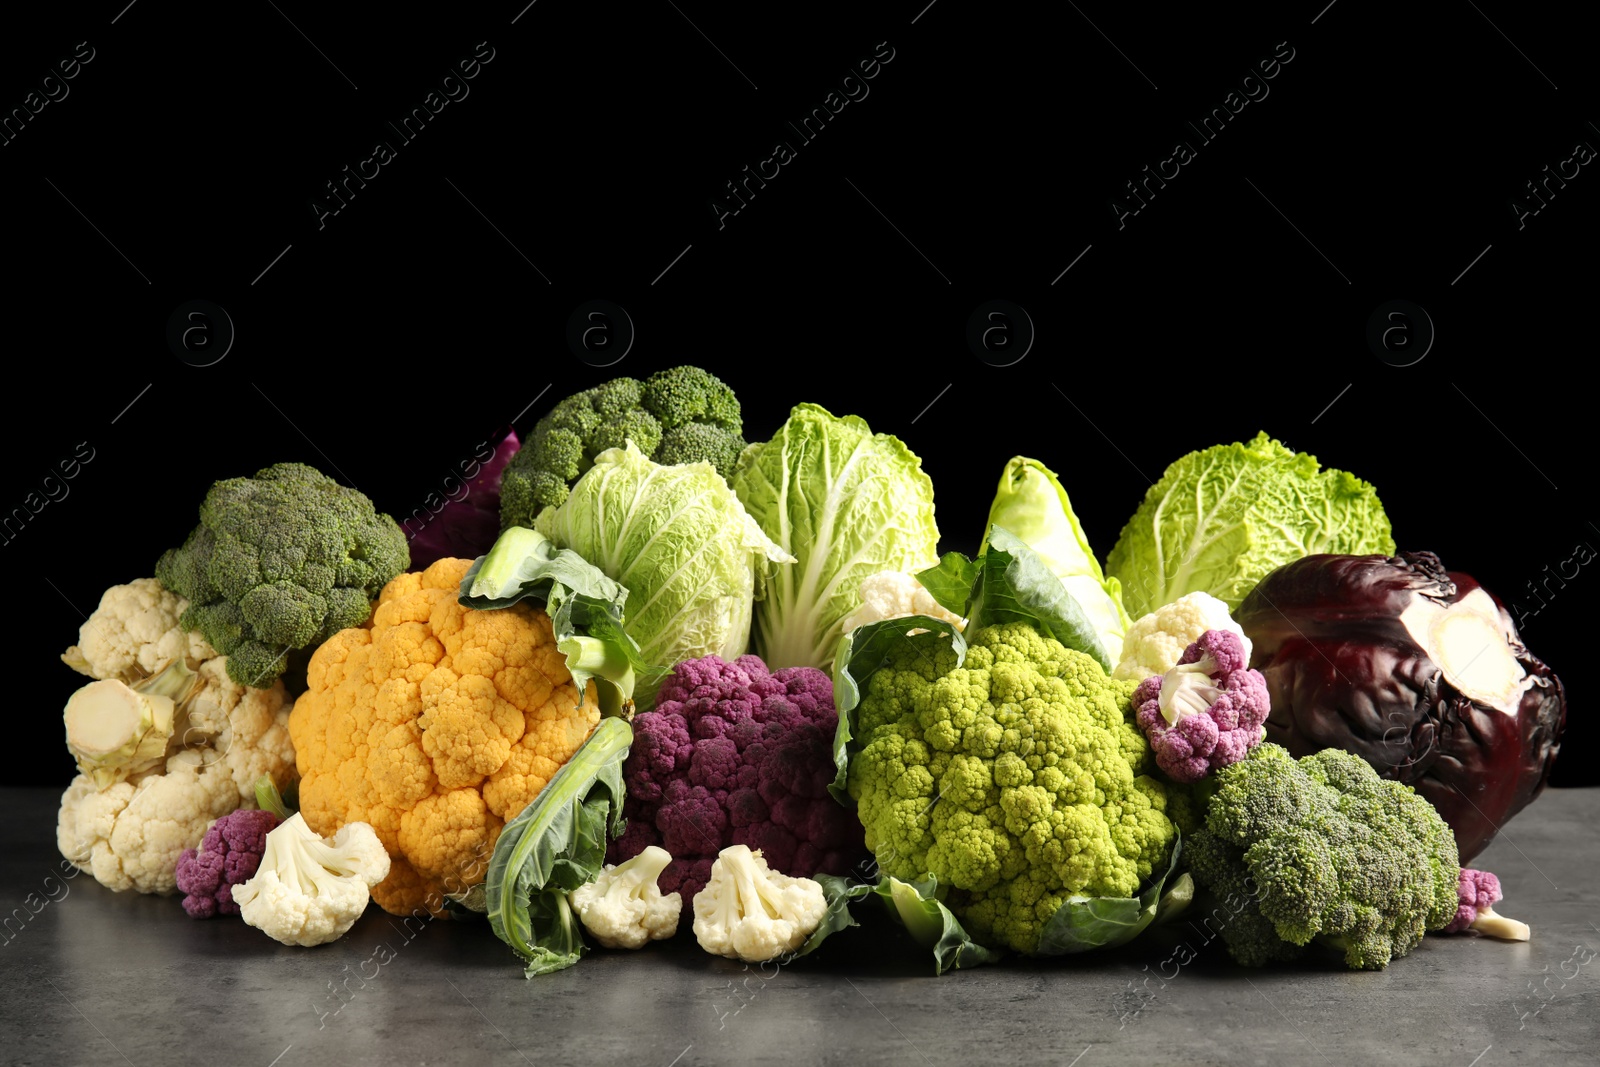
435,724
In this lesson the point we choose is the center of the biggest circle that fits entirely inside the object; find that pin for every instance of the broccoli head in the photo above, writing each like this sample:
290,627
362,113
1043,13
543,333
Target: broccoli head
1015,778
281,561
1323,849
678,415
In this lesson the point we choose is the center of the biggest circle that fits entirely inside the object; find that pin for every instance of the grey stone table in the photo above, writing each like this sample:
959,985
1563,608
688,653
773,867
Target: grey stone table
94,977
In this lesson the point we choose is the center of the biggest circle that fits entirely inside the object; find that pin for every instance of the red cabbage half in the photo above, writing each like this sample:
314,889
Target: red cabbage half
1416,669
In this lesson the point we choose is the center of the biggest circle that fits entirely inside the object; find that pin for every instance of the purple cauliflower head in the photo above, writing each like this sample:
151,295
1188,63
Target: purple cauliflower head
734,754
1477,892
228,855
1206,712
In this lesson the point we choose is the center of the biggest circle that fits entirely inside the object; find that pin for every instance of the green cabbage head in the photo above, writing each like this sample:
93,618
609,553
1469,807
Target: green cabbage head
692,560
1223,518
845,503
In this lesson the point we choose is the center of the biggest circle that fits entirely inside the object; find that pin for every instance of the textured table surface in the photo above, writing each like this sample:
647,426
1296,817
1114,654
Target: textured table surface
94,977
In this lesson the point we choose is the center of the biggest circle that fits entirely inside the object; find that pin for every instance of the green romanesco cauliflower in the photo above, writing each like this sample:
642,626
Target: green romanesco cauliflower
1323,849
1015,778
677,415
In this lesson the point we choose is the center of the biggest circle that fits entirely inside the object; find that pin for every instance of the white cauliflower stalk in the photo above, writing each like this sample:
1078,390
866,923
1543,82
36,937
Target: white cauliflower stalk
749,912
1154,643
310,890
894,595
115,730
623,907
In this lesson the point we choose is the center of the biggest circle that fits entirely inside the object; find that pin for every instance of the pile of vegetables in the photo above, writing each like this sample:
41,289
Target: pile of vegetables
642,680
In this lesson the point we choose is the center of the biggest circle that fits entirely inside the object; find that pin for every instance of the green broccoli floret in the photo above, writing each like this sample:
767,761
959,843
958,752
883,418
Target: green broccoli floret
681,395
1323,849
679,415
1251,939
700,442
281,561
1014,778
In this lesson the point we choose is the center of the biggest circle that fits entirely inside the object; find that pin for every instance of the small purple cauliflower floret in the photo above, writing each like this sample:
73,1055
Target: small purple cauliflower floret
228,855
1206,712
1478,892
734,754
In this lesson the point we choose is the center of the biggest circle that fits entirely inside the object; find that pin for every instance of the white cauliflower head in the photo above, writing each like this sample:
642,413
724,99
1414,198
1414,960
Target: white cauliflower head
134,633
220,739
1154,643
308,890
129,835
894,595
749,912
623,907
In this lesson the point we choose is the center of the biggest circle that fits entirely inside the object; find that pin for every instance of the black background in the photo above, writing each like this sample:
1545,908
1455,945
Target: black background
384,345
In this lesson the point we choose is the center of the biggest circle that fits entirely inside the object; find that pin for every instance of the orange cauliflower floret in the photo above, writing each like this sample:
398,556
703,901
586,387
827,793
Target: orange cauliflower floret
435,724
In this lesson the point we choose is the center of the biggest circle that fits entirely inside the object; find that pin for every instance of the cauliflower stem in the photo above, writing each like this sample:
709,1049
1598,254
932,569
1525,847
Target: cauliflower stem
115,729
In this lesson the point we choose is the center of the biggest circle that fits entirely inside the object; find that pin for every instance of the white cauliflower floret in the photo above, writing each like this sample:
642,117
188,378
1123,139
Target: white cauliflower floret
623,907
1155,642
308,890
749,912
135,632
894,595
129,835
